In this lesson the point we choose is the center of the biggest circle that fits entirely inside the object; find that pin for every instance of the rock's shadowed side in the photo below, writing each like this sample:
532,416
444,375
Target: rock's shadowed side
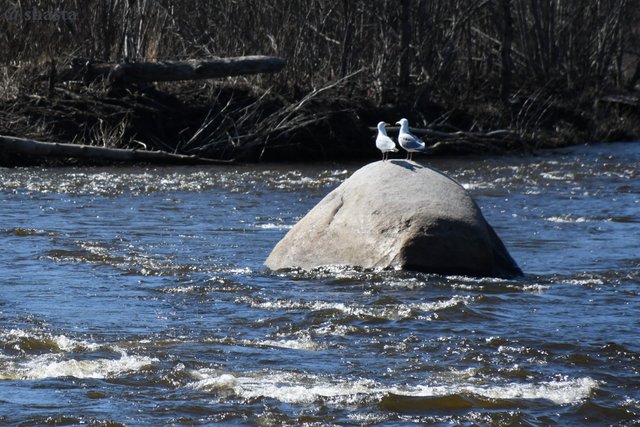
396,214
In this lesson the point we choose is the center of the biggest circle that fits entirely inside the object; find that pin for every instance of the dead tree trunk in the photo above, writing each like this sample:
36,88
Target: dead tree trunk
348,36
405,43
635,78
21,146
166,71
505,52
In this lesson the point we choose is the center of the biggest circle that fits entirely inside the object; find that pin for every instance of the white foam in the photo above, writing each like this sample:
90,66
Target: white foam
476,185
302,343
335,330
388,312
53,366
441,305
367,419
238,270
271,226
65,343
62,342
566,219
410,283
631,403
292,387
563,392
286,387
558,177
585,282
536,289
182,289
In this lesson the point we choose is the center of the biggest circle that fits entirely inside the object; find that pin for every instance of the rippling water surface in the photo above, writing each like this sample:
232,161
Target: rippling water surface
134,296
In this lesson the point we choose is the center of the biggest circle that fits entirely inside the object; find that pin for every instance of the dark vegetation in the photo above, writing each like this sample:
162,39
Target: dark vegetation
476,75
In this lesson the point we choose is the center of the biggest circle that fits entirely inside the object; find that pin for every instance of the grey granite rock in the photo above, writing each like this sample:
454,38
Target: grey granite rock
396,214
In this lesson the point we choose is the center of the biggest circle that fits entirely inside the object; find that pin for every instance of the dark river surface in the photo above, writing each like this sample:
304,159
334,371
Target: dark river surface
137,296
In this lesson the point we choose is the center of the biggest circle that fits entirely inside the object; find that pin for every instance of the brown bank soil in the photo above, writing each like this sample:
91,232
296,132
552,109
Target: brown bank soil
251,125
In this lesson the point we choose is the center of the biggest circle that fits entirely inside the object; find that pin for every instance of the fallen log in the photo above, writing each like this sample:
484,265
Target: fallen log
22,146
166,71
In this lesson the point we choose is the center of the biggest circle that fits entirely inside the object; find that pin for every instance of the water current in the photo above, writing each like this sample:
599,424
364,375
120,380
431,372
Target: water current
137,296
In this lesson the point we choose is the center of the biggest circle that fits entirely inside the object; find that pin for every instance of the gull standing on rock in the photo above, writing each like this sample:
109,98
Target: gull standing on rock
407,140
383,142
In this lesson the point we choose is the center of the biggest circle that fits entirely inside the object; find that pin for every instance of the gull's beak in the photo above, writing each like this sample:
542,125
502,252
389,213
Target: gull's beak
398,122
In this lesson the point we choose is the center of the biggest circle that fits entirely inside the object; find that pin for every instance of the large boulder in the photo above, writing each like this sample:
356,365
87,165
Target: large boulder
396,214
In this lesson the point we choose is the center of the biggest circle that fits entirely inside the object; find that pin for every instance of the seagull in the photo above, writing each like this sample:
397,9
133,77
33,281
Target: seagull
409,142
383,142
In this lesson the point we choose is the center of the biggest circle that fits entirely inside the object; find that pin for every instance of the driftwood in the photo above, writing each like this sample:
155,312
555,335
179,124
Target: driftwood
164,71
21,146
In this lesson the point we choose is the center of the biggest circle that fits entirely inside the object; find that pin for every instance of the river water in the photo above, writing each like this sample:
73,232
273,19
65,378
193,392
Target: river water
137,296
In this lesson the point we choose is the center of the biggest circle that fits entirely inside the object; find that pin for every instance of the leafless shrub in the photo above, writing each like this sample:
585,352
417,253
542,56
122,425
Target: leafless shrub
443,49
104,134
8,82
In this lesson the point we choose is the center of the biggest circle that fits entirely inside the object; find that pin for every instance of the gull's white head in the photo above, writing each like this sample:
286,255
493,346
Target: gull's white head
404,124
381,128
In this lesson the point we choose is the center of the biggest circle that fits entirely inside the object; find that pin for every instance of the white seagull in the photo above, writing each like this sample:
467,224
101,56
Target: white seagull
408,141
383,142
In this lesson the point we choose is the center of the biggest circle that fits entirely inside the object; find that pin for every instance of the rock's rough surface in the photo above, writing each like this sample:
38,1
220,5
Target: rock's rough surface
396,214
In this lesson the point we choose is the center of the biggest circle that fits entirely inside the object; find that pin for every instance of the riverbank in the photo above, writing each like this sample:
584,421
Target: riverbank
248,124
471,76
